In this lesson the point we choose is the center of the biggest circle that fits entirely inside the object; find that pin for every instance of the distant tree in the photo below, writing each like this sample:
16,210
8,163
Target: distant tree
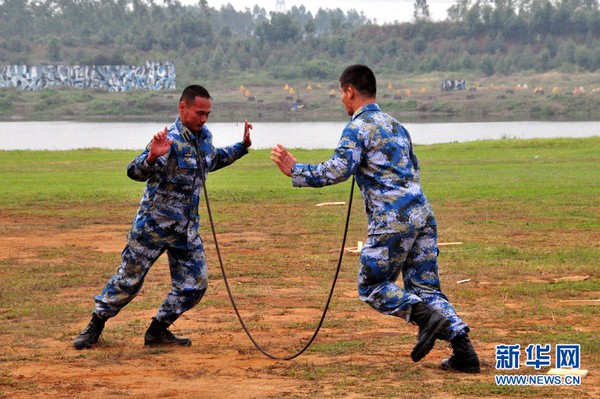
504,66
515,28
467,62
542,61
356,19
15,45
259,15
336,45
551,44
472,47
486,12
54,49
541,15
336,24
182,50
145,40
421,10
594,22
310,28
474,20
596,58
458,11
432,62
525,58
280,29
391,46
566,52
216,59
322,22
584,58
399,64
14,17
193,31
559,21
299,15
486,66
225,37
419,45
105,36
203,5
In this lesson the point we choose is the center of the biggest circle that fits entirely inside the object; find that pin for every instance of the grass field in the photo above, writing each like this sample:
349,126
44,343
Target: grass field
526,211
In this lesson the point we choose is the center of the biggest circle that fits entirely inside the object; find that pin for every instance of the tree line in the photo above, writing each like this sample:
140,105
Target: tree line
484,36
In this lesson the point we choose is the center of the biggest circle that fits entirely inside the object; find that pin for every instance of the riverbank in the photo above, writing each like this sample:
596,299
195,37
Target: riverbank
544,97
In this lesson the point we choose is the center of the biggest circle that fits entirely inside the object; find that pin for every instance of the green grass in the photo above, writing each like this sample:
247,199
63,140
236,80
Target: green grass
525,210
527,170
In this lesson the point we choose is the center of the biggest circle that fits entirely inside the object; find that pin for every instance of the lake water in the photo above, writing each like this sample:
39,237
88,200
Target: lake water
310,135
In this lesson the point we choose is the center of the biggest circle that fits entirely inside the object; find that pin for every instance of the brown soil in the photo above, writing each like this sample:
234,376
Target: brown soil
222,363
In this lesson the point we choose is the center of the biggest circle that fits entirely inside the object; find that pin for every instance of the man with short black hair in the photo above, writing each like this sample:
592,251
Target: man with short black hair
175,165
402,230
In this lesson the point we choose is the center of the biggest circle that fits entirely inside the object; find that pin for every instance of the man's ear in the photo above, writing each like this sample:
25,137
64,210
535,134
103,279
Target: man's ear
350,92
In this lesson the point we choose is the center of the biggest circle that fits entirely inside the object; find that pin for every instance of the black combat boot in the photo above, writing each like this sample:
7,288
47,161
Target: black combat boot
90,335
158,335
431,323
464,358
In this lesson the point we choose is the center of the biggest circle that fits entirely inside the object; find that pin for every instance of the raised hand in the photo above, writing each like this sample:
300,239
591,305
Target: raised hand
283,159
160,146
247,141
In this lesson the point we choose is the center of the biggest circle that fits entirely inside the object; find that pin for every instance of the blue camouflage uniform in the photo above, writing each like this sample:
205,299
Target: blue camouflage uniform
168,220
402,230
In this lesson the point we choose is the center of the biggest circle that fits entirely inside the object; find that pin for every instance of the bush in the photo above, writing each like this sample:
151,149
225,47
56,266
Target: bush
319,69
7,98
486,66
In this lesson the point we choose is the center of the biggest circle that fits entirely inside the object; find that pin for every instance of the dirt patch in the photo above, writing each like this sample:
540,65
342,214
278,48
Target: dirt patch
358,353
102,238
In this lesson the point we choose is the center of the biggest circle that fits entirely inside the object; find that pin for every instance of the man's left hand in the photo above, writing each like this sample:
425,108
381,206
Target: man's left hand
247,141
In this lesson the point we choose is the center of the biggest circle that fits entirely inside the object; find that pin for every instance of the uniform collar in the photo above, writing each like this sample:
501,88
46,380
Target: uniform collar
366,108
186,133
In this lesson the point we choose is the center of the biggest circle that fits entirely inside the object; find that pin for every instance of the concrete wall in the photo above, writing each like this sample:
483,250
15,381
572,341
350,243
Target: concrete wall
151,76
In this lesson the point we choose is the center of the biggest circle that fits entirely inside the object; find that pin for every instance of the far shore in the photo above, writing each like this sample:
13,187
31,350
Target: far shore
272,104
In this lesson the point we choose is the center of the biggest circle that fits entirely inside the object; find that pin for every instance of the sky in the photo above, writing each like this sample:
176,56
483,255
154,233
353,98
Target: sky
379,11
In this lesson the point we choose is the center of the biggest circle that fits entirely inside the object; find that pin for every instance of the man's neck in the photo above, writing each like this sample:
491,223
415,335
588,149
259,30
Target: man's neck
361,102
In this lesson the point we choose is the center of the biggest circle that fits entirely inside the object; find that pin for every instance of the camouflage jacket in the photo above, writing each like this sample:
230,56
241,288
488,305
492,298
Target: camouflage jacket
168,210
378,151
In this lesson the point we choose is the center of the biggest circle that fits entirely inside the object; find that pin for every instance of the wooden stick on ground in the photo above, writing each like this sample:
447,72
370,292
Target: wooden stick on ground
447,244
331,203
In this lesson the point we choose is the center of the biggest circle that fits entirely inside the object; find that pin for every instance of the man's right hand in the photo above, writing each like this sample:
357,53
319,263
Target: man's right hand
160,146
283,159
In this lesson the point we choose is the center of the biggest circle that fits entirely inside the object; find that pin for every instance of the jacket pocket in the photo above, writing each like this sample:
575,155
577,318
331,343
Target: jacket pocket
168,205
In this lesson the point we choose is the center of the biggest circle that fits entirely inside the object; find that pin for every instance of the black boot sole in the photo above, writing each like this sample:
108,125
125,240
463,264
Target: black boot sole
448,365
154,344
83,346
153,341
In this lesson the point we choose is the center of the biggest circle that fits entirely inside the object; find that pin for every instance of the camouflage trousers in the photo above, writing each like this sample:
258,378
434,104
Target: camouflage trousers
414,255
189,279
